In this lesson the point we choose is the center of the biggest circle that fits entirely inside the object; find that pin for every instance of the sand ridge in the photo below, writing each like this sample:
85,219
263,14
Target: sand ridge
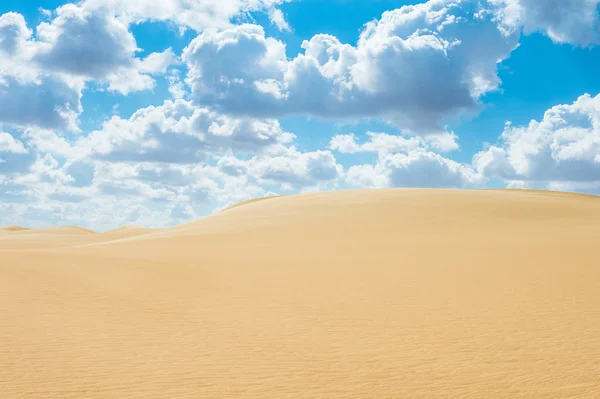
243,203
350,294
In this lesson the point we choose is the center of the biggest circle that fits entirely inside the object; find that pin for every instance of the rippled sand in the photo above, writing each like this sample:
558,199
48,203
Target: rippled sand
360,294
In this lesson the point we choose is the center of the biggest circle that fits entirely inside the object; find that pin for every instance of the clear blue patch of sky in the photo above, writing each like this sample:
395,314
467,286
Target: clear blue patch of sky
158,36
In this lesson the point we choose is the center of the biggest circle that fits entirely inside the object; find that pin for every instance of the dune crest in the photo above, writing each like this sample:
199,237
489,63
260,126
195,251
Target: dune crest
247,202
124,232
349,294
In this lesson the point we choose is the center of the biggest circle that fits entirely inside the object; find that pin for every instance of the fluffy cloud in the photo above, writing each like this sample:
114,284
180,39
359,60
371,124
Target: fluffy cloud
160,158
419,168
561,149
46,102
84,43
28,97
42,78
93,44
294,170
13,33
417,66
564,21
9,144
384,143
196,15
177,132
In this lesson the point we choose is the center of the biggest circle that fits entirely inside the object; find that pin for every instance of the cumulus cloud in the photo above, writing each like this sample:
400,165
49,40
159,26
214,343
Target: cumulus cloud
13,33
93,44
418,168
196,15
178,132
562,148
78,45
28,96
160,157
416,66
9,144
218,141
85,43
177,89
384,143
46,102
296,170
564,21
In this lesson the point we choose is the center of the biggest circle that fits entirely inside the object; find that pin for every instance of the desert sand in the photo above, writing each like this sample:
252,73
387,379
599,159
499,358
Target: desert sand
348,294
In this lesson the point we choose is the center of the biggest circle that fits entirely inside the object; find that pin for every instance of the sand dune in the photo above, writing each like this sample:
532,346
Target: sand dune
248,202
357,294
13,228
128,231
65,236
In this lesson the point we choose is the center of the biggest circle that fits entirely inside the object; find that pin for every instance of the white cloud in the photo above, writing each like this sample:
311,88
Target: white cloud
175,132
93,44
418,168
13,33
378,142
85,43
276,16
172,162
562,148
417,66
79,44
384,143
158,62
29,97
9,144
444,142
46,102
197,15
564,21
176,87
296,170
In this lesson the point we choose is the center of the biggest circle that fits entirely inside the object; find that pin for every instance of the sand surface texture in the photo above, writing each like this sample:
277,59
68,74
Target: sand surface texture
360,294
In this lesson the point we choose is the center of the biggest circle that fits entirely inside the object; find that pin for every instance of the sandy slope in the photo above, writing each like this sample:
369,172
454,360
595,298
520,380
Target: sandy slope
12,228
365,294
17,238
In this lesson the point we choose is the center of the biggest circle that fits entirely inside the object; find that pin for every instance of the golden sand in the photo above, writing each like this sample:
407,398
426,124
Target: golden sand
357,294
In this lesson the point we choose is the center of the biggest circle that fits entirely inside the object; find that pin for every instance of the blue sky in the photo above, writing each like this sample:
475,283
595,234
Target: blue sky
159,112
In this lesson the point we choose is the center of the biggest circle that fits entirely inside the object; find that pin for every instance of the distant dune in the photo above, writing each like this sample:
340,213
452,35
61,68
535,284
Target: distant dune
13,228
347,294
65,236
62,230
128,231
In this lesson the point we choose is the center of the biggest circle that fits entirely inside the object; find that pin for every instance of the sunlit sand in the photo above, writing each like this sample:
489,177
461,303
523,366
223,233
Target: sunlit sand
349,294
